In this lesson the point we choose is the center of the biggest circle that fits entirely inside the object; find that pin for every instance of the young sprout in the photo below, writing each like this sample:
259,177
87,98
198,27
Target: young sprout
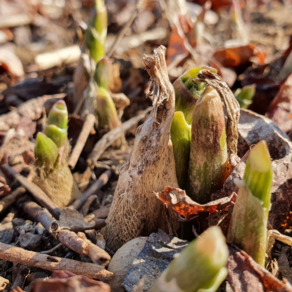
245,95
56,127
208,152
53,175
248,226
97,31
187,92
201,266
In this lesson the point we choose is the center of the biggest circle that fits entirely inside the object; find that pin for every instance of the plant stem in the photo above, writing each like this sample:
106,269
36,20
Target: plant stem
208,154
248,226
200,267
181,139
97,32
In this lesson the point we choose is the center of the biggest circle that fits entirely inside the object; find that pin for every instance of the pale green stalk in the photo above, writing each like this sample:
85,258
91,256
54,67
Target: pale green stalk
97,31
201,266
248,226
181,139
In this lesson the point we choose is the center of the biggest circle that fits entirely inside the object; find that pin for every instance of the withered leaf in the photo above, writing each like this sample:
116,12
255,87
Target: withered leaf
186,208
66,281
245,275
281,107
239,56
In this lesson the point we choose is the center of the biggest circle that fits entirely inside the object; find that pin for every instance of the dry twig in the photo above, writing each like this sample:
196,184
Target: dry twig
33,259
87,126
96,186
109,138
10,199
65,235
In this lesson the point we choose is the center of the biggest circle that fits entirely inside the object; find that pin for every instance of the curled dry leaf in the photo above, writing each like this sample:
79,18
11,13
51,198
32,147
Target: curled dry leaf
280,110
67,281
186,208
135,211
245,275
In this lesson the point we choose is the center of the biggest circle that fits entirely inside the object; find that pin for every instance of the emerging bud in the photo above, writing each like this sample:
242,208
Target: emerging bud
97,31
106,110
200,267
245,95
187,92
101,75
46,152
57,123
248,226
208,154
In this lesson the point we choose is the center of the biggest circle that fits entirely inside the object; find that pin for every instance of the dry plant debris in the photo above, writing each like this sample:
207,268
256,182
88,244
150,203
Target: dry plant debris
51,52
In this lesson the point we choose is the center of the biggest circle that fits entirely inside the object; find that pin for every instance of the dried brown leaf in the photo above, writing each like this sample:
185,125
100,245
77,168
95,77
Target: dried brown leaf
280,110
66,281
183,205
245,275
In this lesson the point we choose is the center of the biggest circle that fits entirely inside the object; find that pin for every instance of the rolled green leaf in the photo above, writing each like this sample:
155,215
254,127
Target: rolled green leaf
181,139
57,123
97,31
188,91
200,267
106,110
208,152
46,152
248,226
245,95
101,75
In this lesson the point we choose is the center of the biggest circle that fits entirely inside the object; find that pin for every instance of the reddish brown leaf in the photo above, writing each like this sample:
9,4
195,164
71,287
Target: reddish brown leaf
183,205
245,275
176,44
239,56
281,107
66,281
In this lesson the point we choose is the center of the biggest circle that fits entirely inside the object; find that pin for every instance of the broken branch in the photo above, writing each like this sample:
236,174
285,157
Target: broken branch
33,259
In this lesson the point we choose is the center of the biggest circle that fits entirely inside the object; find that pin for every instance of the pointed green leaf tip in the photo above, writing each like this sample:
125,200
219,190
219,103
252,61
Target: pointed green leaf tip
200,267
46,152
245,95
248,225
57,123
258,174
58,115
